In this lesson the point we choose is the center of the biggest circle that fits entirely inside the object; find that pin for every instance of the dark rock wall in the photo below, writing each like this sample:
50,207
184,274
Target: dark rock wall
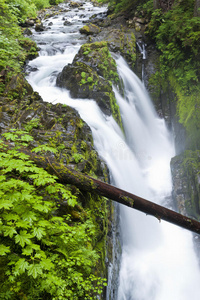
186,183
185,165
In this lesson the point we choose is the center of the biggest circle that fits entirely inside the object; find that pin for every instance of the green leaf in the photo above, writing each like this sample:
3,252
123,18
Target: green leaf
21,265
11,217
2,178
9,231
6,204
23,238
41,207
22,224
29,216
35,270
72,202
51,189
45,148
47,264
27,250
10,136
38,232
26,138
4,250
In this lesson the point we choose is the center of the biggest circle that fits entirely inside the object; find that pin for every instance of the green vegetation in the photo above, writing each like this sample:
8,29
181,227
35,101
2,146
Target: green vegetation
13,46
52,236
176,33
177,36
43,255
122,5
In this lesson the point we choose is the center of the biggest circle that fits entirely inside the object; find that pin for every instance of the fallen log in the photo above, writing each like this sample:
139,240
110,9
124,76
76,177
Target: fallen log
87,183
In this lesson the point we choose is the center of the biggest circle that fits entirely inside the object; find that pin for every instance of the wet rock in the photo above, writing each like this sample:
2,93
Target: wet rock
28,23
75,4
17,86
90,76
67,23
39,27
57,125
90,29
139,20
121,42
84,82
186,183
27,32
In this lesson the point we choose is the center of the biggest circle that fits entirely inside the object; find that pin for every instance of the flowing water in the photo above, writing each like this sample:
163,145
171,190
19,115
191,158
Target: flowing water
158,260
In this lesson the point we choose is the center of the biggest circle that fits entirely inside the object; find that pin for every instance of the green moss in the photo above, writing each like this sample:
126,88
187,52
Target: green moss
115,110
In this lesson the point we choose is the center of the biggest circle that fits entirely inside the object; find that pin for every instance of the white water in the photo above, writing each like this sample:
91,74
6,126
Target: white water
158,259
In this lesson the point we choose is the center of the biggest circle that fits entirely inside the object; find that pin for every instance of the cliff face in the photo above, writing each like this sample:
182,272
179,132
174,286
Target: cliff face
185,165
186,183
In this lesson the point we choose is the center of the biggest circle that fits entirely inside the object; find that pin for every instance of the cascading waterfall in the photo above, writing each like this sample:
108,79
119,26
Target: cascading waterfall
158,260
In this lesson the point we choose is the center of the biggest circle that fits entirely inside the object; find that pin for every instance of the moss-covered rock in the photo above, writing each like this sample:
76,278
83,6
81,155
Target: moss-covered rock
91,75
30,47
90,29
123,42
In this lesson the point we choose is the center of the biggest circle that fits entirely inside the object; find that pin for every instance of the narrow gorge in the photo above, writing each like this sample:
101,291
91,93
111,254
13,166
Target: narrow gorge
90,103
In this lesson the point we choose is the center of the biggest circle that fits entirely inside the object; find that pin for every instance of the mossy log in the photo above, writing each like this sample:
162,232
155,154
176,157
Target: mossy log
87,183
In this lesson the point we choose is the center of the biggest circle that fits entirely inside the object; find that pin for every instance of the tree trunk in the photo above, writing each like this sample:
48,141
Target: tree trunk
165,5
197,8
156,4
86,183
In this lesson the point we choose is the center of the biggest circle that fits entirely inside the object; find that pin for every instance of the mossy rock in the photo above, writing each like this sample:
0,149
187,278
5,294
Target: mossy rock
123,42
90,76
97,56
74,4
17,87
30,47
120,41
90,29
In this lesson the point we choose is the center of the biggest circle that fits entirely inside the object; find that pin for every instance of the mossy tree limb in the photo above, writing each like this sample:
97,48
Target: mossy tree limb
84,182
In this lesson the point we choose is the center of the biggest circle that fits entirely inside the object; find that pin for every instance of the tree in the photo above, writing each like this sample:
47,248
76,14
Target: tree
197,8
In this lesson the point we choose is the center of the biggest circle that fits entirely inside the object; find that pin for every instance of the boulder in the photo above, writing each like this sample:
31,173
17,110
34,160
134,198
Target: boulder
74,4
39,27
90,29
27,32
90,76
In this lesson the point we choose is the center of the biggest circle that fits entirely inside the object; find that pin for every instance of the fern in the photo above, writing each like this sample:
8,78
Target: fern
41,254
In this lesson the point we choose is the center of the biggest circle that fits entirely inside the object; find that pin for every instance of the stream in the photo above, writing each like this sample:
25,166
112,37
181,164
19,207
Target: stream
158,261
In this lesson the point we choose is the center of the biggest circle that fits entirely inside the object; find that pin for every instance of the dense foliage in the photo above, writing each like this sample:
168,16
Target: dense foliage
123,5
177,36
43,255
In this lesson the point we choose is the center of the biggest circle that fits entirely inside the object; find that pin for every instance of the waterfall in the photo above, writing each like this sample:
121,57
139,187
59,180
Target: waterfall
158,259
